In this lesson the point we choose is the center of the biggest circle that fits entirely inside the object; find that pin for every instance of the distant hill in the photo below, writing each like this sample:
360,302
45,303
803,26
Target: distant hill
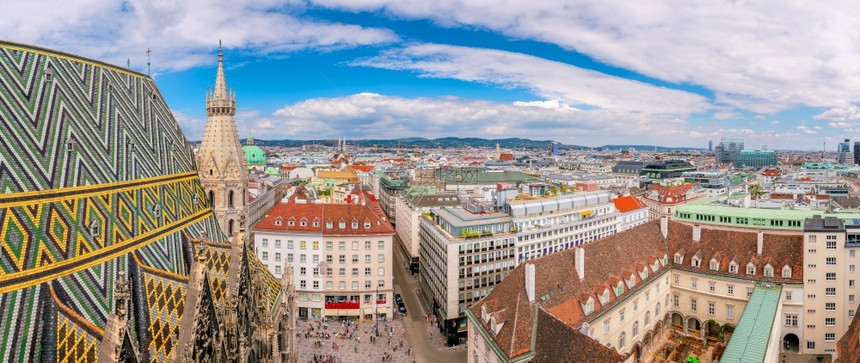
445,142
647,147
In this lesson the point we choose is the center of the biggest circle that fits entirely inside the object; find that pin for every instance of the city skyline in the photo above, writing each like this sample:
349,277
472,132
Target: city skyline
579,74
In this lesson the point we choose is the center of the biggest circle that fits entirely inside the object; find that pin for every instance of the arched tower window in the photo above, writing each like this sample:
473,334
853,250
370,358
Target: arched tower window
230,228
230,199
211,197
210,171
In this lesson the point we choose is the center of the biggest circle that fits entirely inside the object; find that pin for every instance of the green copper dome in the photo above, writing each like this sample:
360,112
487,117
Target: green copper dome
254,155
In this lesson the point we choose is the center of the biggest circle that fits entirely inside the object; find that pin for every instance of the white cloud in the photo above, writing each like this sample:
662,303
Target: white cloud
759,56
365,115
548,79
775,122
839,114
182,34
806,130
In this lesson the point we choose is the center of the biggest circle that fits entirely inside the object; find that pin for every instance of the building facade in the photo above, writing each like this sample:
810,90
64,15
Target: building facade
340,256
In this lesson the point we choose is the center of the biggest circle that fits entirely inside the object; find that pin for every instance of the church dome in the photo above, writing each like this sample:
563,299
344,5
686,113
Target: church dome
254,155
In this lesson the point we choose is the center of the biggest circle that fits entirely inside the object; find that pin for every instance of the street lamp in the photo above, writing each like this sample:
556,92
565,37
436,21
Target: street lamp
376,310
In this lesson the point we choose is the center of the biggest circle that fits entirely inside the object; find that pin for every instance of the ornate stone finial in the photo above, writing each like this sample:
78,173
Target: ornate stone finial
122,295
200,255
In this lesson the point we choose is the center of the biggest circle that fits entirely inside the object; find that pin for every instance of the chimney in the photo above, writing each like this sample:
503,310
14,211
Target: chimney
664,226
579,262
697,233
759,243
530,281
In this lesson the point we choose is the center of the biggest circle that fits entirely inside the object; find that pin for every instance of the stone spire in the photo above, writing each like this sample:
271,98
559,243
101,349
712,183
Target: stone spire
220,159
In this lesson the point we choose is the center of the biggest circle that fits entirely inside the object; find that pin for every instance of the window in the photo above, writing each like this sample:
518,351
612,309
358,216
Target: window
831,245
328,245
303,245
290,257
831,276
621,340
635,329
830,291
341,225
750,269
277,243
810,344
341,271
303,271
366,284
730,311
790,319
831,261
328,258
277,256
676,300
355,285
850,283
381,283
381,257
328,285
381,245
316,285
693,304
694,283
647,318
636,305
355,271
621,315
328,271
341,246
342,285
355,245
786,272
657,308
695,261
712,308
341,258
303,284
731,289
354,225
316,258
712,286
265,255
265,242
278,269
367,271
606,326
289,244
829,321
354,258
316,245
768,271
749,291
829,337
831,306
677,279
303,258
366,245
589,306
715,265
788,295
381,271
851,269
851,253
733,267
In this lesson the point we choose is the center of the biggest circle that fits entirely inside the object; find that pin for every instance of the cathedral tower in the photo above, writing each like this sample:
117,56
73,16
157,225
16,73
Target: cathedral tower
220,160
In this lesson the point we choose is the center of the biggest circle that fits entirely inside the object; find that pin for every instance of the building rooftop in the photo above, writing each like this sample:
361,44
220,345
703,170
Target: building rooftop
459,217
751,337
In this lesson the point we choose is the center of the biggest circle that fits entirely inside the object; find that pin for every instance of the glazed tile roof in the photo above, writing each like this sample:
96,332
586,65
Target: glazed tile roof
613,260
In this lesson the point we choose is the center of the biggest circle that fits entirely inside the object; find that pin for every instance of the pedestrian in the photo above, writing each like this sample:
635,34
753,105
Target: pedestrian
355,347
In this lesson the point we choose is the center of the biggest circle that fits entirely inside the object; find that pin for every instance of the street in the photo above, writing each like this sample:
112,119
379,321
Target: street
416,330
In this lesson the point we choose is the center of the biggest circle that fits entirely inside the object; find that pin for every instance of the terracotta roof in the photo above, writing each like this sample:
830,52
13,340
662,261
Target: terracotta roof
848,347
363,168
286,167
336,174
555,339
279,216
669,195
608,261
725,245
628,203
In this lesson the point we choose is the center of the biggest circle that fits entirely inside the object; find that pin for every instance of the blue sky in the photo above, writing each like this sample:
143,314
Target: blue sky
666,72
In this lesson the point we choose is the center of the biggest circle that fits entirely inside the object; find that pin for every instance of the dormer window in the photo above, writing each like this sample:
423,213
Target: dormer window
605,298
632,282
733,267
695,262
94,228
715,265
49,74
678,258
589,306
665,260
768,271
328,224
750,269
619,289
786,272
70,144
366,224
291,222
279,221
316,223
341,225
303,222
156,211
354,225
